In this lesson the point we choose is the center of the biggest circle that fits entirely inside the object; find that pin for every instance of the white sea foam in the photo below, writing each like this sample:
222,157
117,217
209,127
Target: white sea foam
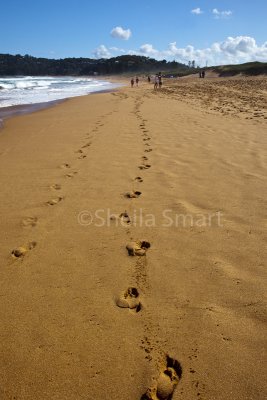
32,90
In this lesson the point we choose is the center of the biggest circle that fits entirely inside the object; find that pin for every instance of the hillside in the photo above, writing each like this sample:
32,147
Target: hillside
251,68
11,65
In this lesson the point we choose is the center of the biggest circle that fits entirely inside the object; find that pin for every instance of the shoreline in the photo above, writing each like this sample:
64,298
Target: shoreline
13,111
22,109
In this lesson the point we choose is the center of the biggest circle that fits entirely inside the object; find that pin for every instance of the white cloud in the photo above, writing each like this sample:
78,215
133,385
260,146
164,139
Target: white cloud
121,33
197,11
232,50
221,14
148,50
101,52
239,44
117,49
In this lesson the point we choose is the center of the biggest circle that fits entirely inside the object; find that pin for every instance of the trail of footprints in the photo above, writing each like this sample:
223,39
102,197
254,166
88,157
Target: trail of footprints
32,221
130,298
171,371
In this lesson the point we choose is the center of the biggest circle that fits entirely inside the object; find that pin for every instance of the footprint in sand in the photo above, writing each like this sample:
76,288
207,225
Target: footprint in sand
82,156
144,158
138,179
129,299
65,165
55,201
29,221
146,139
166,383
147,144
22,250
148,150
56,186
71,174
133,195
138,248
86,145
145,166
79,151
123,218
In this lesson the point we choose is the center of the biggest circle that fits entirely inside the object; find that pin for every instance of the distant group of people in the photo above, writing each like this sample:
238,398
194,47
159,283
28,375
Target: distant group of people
157,81
136,81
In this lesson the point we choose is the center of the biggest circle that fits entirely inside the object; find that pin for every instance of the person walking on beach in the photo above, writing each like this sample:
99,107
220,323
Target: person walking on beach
156,82
160,80
203,74
132,82
148,79
137,81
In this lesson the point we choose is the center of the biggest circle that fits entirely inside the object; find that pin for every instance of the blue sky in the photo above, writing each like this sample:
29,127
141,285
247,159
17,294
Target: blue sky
205,30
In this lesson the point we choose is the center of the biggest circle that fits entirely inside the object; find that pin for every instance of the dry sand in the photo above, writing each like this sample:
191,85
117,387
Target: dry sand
184,318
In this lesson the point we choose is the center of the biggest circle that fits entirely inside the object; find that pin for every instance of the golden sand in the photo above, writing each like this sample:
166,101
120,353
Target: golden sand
133,243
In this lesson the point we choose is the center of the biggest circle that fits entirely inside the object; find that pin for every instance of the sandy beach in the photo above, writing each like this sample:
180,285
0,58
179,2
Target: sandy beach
133,245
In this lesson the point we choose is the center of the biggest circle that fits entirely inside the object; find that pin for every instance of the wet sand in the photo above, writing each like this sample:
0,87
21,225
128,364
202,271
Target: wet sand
133,245
12,111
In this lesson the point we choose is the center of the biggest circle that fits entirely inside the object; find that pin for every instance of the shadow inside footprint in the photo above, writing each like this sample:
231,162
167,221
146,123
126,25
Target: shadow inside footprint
53,202
175,365
71,174
56,186
144,166
123,218
133,195
22,250
129,299
167,381
86,145
146,396
30,221
139,179
65,165
138,248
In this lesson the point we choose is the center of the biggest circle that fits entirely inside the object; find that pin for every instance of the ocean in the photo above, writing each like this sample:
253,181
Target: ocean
22,90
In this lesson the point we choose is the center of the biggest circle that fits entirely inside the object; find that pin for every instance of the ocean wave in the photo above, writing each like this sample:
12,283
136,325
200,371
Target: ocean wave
31,90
